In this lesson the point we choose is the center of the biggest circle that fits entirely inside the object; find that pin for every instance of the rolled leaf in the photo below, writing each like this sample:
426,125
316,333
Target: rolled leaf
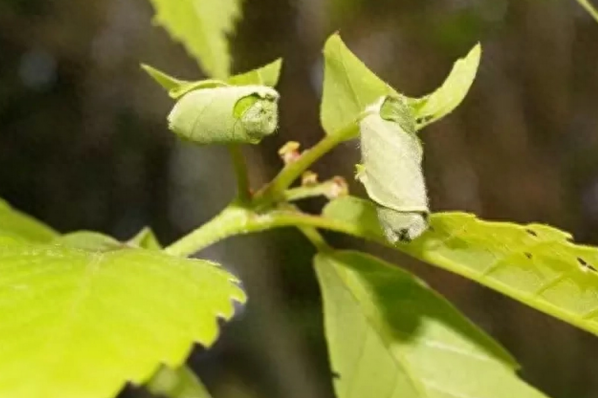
391,170
226,115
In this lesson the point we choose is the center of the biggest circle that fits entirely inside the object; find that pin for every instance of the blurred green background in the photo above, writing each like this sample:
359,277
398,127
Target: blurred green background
84,145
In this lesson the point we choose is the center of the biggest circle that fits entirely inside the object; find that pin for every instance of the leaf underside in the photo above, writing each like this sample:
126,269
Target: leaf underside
84,314
390,336
535,264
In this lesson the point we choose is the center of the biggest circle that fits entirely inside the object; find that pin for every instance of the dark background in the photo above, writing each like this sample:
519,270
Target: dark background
84,145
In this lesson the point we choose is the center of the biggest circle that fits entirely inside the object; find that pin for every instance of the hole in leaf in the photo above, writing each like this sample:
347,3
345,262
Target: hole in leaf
531,232
528,255
585,266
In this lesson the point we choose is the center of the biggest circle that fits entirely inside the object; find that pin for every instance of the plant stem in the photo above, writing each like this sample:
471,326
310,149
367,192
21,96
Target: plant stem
589,8
236,220
240,168
274,191
316,239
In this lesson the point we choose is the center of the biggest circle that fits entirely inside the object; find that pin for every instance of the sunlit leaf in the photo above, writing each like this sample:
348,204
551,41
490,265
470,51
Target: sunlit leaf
452,92
167,82
349,87
146,239
177,383
535,264
390,336
589,8
203,27
266,75
18,224
79,323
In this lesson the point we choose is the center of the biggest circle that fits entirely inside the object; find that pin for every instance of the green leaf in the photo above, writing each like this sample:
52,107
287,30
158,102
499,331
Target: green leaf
349,87
266,75
226,115
589,8
89,240
167,82
177,383
452,92
80,323
535,264
18,224
390,336
202,26
146,239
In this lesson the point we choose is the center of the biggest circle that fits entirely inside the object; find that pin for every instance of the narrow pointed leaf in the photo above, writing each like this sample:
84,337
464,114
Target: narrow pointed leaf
587,5
80,322
349,87
146,239
390,336
167,82
535,264
266,75
19,224
203,28
452,92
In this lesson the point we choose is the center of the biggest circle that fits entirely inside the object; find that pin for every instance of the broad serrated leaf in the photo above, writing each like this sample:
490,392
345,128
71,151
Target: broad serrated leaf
452,92
80,323
535,264
390,336
266,75
203,27
18,224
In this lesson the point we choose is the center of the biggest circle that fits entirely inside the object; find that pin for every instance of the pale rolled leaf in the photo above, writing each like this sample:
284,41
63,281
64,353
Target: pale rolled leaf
390,336
391,171
226,115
